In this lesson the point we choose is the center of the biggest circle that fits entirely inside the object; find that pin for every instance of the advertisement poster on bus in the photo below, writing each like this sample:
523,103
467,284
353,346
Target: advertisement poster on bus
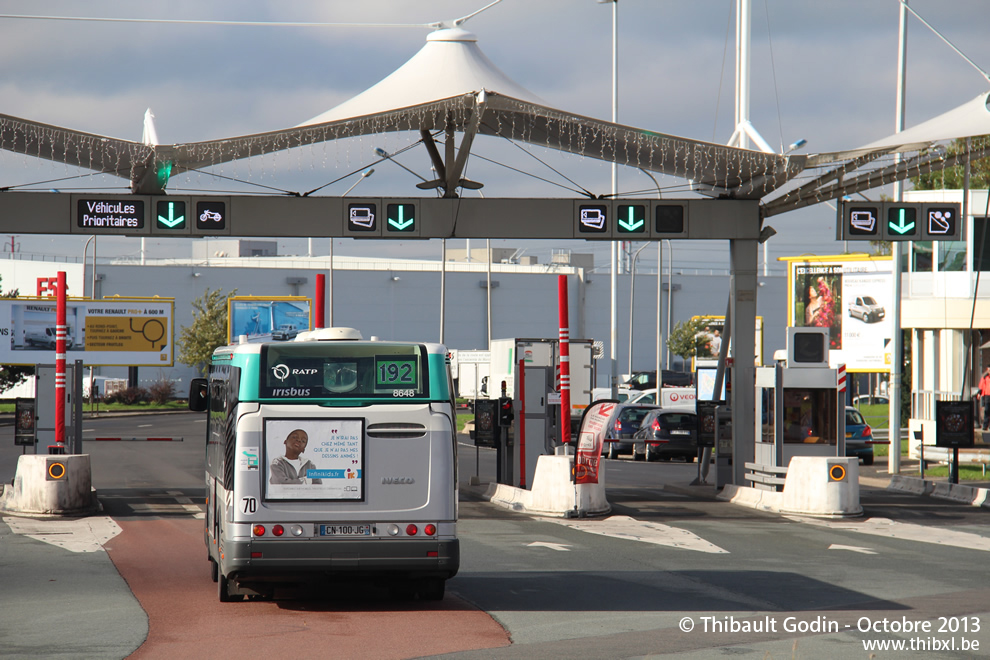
267,318
850,295
589,447
107,332
314,459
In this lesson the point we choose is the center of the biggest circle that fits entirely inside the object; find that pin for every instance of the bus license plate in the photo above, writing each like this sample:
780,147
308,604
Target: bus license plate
345,530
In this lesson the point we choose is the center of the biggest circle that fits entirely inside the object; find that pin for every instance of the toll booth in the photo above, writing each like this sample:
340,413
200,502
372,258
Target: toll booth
531,428
523,379
44,396
800,407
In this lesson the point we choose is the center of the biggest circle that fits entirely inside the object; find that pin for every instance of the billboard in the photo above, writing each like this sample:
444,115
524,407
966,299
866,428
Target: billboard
261,318
134,332
709,339
851,296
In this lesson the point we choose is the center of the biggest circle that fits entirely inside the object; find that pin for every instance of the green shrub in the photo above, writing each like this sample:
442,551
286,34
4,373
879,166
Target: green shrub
162,392
129,396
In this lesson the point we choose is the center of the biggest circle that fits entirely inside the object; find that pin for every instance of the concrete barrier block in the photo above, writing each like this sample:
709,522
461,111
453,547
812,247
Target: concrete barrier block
51,485
510,497
822,486
553,493
754,498
910,484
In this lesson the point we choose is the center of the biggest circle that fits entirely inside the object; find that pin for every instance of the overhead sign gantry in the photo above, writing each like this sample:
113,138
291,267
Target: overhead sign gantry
377,217
899,221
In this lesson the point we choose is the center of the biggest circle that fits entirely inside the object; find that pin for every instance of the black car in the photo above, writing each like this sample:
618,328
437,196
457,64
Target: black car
619,436
666,434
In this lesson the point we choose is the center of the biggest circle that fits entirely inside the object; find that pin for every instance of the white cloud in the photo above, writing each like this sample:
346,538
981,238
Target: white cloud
831,78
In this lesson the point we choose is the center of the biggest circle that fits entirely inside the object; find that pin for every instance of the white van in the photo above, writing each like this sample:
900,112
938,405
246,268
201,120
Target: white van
45,338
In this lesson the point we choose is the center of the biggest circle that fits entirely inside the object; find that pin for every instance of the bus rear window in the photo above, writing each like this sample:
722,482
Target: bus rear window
328,370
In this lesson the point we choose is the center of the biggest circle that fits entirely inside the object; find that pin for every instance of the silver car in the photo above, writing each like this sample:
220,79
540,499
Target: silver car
619,436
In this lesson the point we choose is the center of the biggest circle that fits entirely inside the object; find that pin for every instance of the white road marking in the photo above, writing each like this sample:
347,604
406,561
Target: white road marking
144,426
905,531
559,547
852,548
187,504
624,527
79,535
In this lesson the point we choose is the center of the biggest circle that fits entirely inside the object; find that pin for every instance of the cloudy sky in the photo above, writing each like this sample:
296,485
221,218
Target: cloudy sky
821,71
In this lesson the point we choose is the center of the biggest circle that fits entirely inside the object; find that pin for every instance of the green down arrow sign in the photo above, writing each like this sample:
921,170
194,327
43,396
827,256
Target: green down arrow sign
397,216
903,221
172,220
635,218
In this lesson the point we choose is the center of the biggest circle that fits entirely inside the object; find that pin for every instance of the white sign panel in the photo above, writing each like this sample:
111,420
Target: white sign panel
109,332
474,357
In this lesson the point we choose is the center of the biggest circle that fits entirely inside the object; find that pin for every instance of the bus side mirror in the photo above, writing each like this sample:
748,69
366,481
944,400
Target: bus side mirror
198,394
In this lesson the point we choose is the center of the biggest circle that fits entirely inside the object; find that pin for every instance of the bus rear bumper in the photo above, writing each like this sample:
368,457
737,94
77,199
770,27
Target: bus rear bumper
306,560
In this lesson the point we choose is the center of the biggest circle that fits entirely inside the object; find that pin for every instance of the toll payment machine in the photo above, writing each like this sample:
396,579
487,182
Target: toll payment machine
800,407
529,404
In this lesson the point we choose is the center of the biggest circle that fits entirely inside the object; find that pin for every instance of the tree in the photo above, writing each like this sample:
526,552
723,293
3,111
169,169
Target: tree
11,375
952,178
882,248
688,339
207,332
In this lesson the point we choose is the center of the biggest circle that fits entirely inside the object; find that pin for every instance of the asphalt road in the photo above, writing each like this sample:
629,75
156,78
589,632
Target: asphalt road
671,572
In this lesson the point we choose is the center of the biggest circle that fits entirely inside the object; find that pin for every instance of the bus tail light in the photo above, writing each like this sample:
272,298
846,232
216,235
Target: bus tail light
411,530
430,529
278,530
258,530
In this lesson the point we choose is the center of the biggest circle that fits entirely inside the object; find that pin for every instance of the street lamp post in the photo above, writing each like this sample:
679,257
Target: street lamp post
613,251
329,292
632,302
659,280
92,294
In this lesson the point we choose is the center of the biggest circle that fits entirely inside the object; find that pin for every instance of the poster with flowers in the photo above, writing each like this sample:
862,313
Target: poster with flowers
818,303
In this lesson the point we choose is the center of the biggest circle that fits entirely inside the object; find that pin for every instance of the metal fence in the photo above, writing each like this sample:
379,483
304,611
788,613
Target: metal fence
923,402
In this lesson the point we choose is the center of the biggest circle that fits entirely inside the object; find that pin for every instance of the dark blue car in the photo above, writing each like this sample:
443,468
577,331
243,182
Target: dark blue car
859,437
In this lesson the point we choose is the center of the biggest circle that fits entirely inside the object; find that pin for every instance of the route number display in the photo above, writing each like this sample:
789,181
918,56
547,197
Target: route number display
393,373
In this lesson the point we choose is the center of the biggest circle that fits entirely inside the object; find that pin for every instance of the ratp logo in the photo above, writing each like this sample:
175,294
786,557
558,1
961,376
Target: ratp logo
280,371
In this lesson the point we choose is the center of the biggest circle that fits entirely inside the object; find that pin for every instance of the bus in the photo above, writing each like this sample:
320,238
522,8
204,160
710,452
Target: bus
330,458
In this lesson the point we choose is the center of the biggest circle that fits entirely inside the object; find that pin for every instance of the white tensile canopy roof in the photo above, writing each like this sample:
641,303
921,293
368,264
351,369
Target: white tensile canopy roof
449,65
451,86
874,165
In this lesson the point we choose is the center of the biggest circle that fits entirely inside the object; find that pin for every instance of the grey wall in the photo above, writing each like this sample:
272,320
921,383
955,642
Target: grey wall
524,304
